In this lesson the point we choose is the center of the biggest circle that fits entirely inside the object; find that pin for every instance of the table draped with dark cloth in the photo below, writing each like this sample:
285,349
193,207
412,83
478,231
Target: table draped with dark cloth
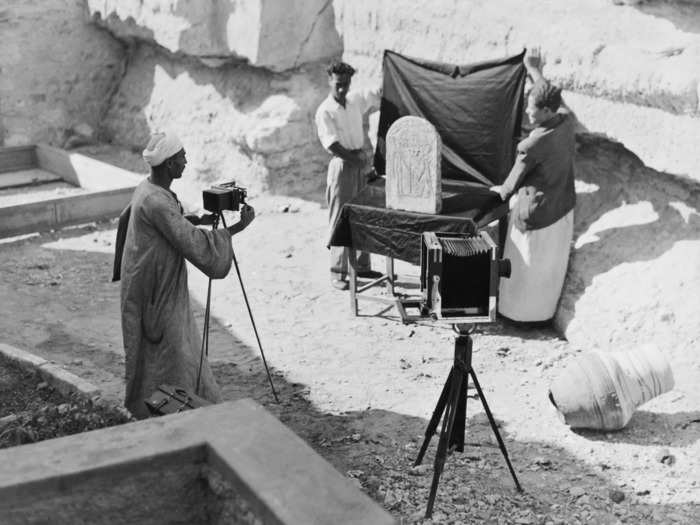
365,223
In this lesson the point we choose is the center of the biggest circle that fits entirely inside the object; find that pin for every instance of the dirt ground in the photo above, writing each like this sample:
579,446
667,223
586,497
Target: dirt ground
360,390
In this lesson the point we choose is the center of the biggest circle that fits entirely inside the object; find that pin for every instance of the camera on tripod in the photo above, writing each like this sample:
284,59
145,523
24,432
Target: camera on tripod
224,196
459,277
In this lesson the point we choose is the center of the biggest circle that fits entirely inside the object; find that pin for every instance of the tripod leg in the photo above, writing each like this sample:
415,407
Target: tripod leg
457,436
445,437
501,445
434,419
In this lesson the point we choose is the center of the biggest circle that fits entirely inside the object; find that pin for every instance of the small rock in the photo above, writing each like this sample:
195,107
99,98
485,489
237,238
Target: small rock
644,492
543,462
63,408
616,495
492,498
77,362
83,129
390,498
577,492
665,457
419,470
42,385
7,420
284,209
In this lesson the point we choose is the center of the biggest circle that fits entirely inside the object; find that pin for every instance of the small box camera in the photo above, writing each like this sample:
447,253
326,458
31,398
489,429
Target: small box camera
225,196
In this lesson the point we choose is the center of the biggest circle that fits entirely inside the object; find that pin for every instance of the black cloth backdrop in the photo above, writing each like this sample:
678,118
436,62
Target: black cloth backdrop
476,109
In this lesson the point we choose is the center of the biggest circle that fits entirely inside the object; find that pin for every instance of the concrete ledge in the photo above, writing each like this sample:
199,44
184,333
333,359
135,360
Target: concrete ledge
238,460
107,190
59,378
21,357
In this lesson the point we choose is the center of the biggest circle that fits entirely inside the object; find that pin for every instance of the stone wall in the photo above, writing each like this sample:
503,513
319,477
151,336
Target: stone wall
236,121
57,71
642,62
238,80
264,33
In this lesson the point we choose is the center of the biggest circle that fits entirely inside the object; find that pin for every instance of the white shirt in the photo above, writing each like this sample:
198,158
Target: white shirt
344,125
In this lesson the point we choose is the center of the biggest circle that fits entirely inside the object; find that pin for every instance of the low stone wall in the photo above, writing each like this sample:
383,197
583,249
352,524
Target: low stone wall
66,383
226,463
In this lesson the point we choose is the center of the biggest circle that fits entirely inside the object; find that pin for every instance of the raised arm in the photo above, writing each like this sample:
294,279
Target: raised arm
534,63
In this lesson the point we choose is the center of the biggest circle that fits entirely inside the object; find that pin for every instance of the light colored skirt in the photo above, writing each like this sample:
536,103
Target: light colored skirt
538,260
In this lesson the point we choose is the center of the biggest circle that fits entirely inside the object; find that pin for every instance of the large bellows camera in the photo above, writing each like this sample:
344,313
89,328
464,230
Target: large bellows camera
459,277
225,196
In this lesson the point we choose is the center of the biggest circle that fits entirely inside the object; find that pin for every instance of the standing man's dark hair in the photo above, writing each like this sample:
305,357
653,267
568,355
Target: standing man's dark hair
340,68
545,95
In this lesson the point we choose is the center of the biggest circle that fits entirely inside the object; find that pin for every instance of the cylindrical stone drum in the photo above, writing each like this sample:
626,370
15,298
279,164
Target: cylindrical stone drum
602,390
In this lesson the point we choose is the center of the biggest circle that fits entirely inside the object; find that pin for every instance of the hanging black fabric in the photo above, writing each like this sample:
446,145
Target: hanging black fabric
476,109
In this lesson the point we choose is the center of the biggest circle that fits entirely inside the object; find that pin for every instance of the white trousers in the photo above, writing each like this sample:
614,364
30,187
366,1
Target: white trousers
538,260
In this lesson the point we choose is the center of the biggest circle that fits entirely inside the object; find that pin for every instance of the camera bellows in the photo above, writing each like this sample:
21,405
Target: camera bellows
459,277
465,247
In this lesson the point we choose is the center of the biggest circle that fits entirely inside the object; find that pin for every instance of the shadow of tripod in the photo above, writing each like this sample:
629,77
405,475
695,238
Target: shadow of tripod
453,403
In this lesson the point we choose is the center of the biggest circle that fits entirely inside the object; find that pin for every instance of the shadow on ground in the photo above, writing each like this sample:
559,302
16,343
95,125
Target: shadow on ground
63,304
378,447
678,429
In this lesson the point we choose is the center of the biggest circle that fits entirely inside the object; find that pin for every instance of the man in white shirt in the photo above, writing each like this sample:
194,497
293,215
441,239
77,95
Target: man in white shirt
339,122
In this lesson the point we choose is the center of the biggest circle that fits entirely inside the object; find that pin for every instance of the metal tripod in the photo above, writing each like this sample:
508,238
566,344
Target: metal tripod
207,312
453,402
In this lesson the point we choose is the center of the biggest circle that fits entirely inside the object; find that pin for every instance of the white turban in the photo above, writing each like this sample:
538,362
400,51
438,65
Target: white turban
162,146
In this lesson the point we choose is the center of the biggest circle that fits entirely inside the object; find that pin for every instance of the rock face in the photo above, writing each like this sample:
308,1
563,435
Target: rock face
633,54
633,70
236,121
634,272
265,33
57,71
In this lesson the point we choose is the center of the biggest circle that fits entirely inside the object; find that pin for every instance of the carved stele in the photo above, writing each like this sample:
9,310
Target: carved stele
413,153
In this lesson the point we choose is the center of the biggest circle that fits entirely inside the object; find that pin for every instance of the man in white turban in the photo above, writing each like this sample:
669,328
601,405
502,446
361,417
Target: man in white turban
161,340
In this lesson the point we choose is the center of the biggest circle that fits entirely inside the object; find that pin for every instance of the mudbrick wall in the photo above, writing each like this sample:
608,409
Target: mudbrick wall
239,80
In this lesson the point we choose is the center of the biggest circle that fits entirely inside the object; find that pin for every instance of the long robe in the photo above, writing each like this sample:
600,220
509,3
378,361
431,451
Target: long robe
161,339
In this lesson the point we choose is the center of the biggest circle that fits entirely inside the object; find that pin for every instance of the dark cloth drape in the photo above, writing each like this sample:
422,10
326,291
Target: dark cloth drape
366,224
476,109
